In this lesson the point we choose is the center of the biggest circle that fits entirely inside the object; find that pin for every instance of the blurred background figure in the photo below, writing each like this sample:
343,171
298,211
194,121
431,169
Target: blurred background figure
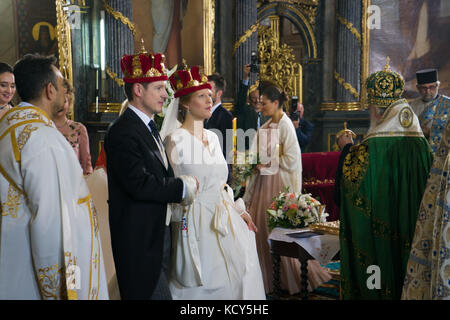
248,108
7,88
303,128
221,119
74,132
431,107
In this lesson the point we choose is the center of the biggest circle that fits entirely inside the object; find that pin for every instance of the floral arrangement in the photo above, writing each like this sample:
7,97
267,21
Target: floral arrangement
242,169
293,210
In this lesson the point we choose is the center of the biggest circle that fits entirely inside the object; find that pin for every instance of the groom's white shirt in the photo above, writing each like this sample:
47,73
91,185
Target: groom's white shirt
186,180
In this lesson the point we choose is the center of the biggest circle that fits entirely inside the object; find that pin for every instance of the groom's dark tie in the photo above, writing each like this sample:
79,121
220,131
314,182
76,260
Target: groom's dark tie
155,132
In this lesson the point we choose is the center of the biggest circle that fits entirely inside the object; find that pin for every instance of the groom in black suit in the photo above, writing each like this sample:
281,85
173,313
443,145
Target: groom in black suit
141,183
221,119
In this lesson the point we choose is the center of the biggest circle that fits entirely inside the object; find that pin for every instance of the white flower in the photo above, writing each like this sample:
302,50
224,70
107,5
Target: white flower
302,204
273,213
280,213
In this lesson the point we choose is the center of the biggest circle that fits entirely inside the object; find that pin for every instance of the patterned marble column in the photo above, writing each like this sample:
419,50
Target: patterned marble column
245,17
119,41
348,50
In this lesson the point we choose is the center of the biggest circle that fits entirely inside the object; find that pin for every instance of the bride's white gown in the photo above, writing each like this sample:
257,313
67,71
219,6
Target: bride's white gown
214,254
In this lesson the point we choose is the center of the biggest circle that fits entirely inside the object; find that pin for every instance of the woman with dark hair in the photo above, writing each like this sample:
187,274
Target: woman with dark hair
214,253
74,132
281,167
7,87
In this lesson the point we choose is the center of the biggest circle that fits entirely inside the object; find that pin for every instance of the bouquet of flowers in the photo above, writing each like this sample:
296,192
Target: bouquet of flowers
243,168
293,210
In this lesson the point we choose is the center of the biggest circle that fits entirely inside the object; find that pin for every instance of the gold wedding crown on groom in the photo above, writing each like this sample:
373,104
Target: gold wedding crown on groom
384,87
143,67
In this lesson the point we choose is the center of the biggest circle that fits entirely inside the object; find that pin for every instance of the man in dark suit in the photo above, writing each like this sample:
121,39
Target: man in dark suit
303,128
249,115
221,119
141,183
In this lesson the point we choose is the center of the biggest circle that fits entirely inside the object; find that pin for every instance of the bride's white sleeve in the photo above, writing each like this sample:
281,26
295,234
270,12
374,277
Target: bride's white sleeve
174,156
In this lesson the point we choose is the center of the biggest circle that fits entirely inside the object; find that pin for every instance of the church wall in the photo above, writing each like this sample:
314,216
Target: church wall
191,33
8,50
142,17
8,36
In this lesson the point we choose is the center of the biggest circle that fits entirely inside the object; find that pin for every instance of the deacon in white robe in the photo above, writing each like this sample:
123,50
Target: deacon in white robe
49,238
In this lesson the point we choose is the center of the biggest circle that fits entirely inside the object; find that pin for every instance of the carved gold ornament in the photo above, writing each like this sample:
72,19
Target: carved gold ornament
350,27
347,86
277,63
308,7
114,76
64,36
247,34
119,16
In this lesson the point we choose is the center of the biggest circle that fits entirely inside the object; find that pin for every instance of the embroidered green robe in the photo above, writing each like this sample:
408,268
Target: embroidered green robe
383,180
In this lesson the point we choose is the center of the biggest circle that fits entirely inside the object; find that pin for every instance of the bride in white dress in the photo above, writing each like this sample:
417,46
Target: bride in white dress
214,253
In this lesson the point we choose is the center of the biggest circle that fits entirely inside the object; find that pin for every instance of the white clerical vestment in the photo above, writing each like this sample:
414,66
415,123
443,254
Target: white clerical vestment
49,238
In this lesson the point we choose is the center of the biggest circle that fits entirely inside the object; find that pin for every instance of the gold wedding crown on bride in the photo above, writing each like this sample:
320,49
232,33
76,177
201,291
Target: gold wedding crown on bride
187,80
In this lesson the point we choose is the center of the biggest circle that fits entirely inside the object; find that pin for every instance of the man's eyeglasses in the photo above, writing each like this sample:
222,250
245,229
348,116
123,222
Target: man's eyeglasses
429,87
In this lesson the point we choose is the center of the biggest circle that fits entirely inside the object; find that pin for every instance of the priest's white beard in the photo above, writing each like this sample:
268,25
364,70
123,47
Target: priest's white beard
429,97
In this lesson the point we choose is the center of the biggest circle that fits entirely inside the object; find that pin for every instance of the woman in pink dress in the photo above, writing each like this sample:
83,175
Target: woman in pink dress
277,145
75,132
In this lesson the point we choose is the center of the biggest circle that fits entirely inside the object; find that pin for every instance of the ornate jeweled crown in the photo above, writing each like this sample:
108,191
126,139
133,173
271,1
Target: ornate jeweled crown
384,87
143,67
187,80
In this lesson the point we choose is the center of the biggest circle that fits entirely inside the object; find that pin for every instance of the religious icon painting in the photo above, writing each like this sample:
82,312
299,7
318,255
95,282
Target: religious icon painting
36,24
414,34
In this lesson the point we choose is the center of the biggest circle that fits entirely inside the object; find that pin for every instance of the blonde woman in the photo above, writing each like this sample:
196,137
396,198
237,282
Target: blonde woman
214,252
74,132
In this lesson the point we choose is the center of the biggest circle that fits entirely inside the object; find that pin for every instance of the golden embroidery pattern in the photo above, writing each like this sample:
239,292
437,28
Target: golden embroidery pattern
27,115
95,258
11,206
405,117
94,217
16,116
355,164
71,276
50,281
24,136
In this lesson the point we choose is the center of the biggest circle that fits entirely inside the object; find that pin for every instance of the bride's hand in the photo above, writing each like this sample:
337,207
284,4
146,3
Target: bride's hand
248,220
260,166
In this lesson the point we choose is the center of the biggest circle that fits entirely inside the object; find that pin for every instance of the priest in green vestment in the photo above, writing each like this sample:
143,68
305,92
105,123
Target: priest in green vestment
382,183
